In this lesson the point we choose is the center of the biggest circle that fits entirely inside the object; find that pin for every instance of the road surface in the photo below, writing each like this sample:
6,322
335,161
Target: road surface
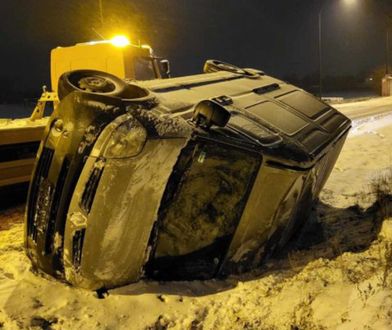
356,110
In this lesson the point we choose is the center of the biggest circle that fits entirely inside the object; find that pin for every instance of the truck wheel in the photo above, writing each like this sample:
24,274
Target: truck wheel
90,81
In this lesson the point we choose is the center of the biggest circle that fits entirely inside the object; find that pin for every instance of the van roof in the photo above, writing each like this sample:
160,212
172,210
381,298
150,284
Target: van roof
283,120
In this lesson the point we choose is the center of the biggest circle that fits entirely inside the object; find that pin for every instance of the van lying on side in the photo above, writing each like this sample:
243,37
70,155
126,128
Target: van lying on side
183,178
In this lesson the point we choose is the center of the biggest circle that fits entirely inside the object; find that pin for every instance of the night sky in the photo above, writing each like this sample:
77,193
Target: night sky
277,36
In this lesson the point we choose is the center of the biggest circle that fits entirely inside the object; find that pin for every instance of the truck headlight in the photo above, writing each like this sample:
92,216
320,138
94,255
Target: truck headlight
126,141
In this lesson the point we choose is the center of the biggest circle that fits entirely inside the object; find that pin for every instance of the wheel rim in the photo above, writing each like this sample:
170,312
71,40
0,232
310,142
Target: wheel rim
95,84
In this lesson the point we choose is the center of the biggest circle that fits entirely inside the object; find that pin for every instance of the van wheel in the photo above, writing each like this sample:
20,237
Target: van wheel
90,81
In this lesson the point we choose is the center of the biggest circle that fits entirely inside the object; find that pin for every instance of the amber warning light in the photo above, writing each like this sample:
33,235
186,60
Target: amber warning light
120,41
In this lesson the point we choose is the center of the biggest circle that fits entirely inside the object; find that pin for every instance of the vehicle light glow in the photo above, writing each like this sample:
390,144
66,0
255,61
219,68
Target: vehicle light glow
120,41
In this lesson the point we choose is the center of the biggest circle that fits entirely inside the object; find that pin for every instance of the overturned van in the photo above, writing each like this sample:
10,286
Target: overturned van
184,178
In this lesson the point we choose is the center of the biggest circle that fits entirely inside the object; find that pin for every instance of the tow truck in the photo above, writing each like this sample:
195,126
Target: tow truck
20,138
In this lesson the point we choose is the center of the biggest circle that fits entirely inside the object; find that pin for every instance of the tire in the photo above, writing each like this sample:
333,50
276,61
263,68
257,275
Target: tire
90,81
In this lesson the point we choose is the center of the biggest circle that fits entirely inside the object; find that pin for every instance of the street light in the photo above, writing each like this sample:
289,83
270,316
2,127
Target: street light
387,37
387,52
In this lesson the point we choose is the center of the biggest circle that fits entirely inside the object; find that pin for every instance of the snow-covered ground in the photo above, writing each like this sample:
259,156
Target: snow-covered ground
336,275
358,109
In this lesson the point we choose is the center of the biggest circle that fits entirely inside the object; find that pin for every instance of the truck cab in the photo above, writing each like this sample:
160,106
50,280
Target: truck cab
19,138
117,56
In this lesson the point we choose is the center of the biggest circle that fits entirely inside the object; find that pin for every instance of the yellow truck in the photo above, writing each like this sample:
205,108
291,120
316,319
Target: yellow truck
20,138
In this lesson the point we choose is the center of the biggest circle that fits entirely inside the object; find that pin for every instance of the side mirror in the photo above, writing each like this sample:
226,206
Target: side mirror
208,113
165,68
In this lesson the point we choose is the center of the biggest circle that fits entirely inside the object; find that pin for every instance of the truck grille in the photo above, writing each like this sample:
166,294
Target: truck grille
37,191
50,231
77,247
91,186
